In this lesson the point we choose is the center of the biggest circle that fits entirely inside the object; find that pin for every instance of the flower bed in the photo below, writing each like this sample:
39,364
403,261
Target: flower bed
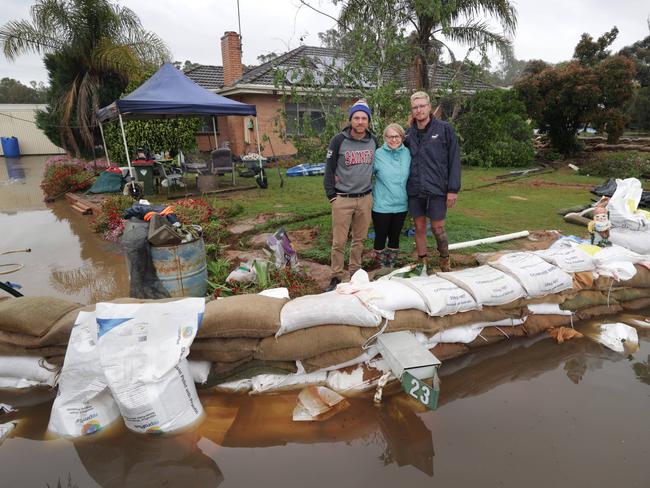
62,174
109,222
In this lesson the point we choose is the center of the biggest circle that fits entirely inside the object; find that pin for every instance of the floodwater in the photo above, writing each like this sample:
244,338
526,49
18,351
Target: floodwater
519,413
525,412
67,259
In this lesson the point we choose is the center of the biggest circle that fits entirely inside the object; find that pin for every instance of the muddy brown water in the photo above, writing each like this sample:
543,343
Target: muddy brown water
67,259
526,412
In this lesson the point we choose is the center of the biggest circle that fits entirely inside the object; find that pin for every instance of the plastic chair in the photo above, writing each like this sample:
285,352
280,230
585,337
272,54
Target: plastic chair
171,176
222,163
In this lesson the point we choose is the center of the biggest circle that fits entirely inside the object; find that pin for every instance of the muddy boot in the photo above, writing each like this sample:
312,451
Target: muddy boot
386,259
443,249
423,265
445,264
378,258
333,284
391,257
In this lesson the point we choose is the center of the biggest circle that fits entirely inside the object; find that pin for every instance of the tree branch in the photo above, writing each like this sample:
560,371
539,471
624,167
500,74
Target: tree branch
306,4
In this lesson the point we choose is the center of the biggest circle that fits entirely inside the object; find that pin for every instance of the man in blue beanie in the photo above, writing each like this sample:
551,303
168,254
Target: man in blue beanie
348,187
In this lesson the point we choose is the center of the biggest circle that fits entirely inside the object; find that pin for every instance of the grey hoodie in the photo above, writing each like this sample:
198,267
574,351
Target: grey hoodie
349,164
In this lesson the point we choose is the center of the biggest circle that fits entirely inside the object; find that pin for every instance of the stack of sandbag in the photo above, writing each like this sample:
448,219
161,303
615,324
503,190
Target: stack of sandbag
262,343
516,295
231,332
34,334
36,326
26,371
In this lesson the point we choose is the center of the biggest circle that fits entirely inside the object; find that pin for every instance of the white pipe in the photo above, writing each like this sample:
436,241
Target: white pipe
126,147
489,240
101,131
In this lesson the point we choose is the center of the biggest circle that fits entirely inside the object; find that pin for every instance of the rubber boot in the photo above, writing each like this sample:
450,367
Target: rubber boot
423,265
378,257
445,264
443,249
391,257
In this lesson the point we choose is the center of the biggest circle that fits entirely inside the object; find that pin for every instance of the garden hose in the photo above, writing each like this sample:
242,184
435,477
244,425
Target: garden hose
15,250
17,266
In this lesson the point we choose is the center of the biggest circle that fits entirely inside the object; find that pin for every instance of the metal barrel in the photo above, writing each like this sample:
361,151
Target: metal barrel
181,269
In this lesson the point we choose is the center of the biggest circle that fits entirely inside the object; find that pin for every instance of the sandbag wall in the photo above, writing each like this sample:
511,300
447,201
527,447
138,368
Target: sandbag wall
239,335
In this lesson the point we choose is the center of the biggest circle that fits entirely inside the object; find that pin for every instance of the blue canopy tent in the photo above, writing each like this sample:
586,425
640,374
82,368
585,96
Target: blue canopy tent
169,93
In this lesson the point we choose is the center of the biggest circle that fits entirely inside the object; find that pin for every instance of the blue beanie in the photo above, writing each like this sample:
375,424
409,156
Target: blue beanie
359,106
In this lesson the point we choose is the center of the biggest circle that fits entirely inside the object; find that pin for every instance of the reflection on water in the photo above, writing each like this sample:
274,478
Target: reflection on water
408,440
642,370
251,441
131,460
15,172
67,260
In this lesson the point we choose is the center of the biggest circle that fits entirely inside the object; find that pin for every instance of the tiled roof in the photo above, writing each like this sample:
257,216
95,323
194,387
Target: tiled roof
443,76
320,59
209,77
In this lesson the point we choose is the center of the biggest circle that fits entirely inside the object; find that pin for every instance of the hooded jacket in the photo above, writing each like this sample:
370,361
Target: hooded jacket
391,170
349,164
435,160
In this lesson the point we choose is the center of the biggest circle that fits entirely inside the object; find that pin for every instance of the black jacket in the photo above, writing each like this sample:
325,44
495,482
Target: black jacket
435,160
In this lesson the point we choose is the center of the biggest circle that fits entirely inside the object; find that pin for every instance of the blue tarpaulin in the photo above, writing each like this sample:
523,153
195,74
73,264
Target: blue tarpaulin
169,93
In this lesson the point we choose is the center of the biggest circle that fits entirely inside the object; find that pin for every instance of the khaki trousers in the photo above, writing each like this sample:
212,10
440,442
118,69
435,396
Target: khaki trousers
354,213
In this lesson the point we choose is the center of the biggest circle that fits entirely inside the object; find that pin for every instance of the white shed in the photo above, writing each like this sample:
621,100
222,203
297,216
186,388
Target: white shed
19,120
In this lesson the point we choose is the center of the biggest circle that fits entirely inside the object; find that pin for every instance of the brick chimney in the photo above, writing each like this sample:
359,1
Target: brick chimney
231,55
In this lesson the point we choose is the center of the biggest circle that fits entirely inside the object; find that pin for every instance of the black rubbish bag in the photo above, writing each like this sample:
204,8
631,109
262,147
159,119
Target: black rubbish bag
144,282
261,179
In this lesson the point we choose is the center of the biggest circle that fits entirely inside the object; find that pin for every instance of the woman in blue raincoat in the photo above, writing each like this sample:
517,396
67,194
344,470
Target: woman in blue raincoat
390,201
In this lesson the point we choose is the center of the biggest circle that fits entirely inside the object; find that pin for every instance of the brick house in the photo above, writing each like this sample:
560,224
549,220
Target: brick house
256,85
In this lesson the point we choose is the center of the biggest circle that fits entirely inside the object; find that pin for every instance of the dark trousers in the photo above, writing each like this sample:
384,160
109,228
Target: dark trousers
387,226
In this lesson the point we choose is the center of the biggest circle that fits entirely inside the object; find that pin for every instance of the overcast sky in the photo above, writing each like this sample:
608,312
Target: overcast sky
547,29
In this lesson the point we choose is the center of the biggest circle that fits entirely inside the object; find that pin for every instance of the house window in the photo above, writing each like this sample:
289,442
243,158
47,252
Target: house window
206,125
296,115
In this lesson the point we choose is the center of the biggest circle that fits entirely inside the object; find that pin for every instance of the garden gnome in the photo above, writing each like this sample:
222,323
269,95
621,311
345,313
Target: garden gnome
599,228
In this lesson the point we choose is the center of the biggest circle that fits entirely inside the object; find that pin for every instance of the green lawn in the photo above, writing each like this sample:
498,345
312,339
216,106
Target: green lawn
486,206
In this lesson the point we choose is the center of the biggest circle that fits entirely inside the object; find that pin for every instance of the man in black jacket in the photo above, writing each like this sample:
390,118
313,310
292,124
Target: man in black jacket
348,187
434,180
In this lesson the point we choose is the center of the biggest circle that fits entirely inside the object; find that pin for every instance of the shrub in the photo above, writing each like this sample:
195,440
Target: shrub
63,178
495,131
62,174
193,211
109,222
628,164
198,211
615,121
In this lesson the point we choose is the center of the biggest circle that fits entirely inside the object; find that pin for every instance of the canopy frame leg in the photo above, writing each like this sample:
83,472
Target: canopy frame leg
101,131
214,130
126,147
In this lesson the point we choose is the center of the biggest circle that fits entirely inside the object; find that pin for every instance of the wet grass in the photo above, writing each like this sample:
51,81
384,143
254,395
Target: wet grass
487,206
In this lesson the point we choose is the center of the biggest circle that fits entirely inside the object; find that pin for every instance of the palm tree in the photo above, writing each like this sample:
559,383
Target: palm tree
94,42
458,21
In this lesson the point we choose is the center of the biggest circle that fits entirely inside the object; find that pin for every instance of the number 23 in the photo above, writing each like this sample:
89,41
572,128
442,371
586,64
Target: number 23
426,392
